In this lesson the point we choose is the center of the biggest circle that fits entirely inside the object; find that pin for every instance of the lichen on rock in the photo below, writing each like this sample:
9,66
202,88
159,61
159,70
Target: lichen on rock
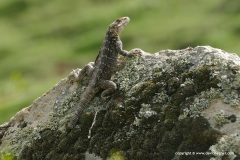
174,104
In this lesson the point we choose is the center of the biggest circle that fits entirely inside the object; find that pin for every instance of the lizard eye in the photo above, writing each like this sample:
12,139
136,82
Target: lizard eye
118,20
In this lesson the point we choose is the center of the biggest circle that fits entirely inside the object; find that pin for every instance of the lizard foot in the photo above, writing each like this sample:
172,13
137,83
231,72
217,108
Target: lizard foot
135,52
109,87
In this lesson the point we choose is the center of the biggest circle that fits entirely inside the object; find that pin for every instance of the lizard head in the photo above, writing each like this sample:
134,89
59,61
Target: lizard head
117,26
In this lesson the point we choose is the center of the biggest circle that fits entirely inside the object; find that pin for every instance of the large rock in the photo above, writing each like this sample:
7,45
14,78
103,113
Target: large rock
174,104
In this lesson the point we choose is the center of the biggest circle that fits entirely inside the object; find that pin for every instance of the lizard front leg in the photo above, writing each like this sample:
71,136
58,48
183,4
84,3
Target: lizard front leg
131,53
120,50
88,69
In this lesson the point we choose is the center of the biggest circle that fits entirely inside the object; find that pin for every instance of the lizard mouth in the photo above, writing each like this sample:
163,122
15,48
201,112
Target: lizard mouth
124,20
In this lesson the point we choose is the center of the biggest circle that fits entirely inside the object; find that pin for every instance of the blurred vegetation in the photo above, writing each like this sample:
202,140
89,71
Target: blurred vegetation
42,41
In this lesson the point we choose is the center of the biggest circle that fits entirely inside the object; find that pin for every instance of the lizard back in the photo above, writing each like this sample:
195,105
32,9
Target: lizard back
107,58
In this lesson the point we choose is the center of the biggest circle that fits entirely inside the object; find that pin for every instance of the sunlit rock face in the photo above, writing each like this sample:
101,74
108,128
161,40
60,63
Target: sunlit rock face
174,104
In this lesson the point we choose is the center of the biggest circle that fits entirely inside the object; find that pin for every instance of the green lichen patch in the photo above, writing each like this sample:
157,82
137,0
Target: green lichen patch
7,156
221,118
228,147
116,155
143,91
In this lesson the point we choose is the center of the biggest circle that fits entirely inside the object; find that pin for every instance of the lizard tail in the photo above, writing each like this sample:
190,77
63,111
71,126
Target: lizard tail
85,99
73,121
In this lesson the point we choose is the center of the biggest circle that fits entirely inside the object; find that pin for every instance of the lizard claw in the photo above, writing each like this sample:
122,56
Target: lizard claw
136,51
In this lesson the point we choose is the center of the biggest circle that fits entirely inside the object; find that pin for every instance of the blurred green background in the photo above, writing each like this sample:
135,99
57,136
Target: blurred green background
42,41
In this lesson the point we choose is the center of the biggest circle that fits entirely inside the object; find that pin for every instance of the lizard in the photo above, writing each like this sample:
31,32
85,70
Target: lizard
101,70
3,128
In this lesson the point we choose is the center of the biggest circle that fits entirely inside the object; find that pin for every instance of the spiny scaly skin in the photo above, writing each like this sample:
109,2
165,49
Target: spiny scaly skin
3,129
101,71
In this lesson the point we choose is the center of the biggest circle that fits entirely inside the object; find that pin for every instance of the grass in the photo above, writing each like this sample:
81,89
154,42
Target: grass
42,41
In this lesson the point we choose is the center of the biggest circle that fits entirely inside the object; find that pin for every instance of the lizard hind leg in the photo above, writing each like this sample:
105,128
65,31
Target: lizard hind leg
86,70
109,87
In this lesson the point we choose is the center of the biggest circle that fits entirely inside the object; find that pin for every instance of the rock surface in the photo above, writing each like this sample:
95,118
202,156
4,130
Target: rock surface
174,104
